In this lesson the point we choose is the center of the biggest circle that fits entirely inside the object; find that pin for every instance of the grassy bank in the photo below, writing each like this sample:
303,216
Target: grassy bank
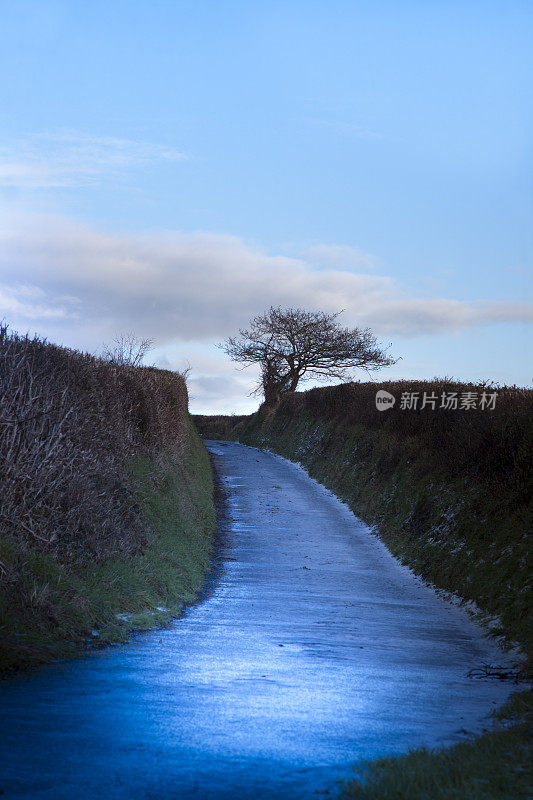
495,766
449,492
112,530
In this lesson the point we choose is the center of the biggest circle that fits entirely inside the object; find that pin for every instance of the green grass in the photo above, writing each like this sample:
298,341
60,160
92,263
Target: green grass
495,766
50,610
456,531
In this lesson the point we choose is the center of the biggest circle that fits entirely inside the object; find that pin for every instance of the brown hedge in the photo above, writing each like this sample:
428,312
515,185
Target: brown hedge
69,422
496,443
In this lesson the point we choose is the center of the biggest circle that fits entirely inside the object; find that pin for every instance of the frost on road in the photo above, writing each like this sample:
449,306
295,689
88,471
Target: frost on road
312,648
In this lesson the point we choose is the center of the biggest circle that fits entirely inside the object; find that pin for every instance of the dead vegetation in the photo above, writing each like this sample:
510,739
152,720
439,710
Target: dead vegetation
218,426
68,423
493,442
448,489
106,499
449,492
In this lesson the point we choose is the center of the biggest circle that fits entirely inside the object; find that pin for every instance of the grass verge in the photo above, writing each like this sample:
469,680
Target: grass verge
495,766
457,531
51,609
462,527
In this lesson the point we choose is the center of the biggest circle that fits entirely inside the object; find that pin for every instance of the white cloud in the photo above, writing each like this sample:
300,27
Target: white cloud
32,304
70,158
202,287
81,287
213,383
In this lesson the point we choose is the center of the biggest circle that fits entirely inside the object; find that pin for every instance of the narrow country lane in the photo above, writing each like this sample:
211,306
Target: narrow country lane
312,648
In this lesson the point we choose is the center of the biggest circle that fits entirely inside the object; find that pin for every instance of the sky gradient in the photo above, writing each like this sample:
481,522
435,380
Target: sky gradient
173,168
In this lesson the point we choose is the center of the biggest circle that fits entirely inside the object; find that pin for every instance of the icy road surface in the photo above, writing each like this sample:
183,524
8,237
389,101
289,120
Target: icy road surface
311,648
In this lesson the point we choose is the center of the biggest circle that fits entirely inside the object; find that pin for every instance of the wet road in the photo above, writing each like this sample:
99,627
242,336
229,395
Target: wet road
313,647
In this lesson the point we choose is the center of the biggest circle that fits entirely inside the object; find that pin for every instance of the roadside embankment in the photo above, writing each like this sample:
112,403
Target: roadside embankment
106,505
449,492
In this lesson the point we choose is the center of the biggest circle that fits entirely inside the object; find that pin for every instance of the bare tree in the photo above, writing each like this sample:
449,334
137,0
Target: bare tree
293,345
127,350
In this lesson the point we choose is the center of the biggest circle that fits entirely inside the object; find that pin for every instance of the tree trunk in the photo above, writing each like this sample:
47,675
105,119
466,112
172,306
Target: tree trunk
272,395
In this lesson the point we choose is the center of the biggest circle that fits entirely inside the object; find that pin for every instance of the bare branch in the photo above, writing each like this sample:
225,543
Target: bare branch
294,345
127,350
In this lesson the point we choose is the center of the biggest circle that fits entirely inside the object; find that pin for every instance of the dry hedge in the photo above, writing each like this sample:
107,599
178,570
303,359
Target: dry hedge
496,443
69,422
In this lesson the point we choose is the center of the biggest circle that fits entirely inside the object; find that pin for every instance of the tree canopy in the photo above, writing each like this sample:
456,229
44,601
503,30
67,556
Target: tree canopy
293,345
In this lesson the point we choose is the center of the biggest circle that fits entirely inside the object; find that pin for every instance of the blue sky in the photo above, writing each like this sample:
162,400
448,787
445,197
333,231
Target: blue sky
173,168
